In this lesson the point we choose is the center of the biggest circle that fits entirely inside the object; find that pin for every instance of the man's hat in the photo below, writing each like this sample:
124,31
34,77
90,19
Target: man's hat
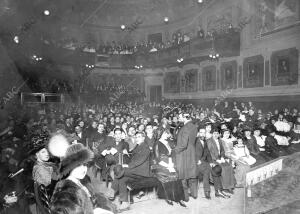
119,171
247,128
216,171
76,155
270,129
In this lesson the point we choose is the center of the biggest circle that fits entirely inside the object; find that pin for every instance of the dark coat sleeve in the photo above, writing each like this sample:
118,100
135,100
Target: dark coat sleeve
140,157
68,195
182,140
199,151
207,156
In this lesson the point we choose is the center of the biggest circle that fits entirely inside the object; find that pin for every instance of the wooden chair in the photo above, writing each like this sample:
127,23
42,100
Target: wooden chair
146,183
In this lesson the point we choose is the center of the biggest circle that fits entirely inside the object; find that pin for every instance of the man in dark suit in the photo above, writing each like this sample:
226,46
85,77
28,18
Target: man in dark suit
81,136
204,164
185,156
137,169
217,152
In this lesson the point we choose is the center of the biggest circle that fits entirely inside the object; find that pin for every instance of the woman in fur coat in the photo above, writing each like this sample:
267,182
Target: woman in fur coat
71,196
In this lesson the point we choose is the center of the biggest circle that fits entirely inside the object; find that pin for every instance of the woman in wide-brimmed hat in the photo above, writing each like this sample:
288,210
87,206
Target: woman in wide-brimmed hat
43,171
71,196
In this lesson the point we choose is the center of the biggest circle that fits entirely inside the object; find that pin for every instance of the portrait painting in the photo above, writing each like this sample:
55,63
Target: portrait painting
252,70
283,66
228,74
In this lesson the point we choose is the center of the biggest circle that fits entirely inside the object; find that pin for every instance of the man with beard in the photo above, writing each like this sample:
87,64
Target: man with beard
185,155
204,166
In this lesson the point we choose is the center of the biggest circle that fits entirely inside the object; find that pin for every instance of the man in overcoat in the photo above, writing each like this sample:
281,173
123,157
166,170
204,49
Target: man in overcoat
137,169
185,156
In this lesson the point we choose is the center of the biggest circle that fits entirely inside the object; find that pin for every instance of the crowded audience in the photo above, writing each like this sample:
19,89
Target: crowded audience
118,48
169,146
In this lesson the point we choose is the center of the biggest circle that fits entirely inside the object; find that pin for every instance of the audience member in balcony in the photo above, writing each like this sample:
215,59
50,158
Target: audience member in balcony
186,37
200,32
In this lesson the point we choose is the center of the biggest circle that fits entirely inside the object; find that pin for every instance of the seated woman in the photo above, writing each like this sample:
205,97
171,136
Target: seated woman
71,196
171,188
240,167
243,161
227,142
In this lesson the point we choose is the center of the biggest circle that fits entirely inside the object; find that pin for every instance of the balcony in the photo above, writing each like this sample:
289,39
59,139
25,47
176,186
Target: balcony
195,50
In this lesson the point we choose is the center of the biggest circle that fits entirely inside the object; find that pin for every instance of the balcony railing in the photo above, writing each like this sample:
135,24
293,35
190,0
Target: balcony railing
227,45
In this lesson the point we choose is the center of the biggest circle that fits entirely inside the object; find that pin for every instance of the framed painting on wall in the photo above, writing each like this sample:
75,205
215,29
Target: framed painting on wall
209,78
229,74
253,72
284,67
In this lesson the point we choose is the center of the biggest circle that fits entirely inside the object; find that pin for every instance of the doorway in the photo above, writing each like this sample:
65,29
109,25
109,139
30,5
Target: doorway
155,93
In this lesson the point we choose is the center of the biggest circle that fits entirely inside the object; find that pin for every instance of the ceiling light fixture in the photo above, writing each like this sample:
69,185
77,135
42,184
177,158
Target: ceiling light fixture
46,12
16,39
213,54
179,60
166,19
89,66
123,27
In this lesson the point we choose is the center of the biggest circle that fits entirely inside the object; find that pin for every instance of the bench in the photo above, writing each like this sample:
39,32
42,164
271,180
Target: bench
145,183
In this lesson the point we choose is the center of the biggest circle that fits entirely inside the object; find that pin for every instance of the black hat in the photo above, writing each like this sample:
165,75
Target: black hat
256,127
119,171
38,142
247,128
216,171
215,129
270,129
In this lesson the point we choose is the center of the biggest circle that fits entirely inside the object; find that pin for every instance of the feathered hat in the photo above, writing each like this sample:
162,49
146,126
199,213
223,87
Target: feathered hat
76,155
38,142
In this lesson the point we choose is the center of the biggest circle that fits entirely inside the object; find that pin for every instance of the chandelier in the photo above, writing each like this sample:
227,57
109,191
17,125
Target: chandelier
213,54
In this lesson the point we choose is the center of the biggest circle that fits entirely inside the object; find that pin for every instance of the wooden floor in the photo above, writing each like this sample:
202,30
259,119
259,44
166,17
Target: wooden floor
150,205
